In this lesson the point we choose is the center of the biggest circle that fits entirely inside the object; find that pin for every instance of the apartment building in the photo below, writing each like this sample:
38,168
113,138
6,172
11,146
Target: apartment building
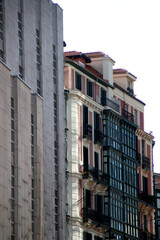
109,171
32,139
157,199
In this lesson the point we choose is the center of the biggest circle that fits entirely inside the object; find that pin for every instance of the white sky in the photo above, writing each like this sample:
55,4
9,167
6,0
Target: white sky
128,31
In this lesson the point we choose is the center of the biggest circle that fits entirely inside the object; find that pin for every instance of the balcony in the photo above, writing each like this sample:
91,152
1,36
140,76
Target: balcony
127,115
87,132
145,235
95,179
110,103
95,217
149,199
145,163
98,137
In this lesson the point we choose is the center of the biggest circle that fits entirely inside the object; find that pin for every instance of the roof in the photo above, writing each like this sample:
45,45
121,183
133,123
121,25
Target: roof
95,54
74,54
122,71
71,53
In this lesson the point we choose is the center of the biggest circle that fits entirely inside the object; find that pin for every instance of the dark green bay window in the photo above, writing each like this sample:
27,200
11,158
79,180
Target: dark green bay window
128,140
130,176
112,130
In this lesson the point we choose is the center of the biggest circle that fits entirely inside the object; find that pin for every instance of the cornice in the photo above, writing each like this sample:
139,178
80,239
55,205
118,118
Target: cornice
145,135
86,100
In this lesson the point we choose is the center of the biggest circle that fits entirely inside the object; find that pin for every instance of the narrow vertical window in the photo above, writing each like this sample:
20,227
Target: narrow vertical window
32,176
1,29
38,62
78,80
12,171
54,64
135,116
20,45
56,210
55,136
89,88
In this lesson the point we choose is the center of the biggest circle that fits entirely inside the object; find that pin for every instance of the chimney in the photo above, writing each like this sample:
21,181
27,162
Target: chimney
103,64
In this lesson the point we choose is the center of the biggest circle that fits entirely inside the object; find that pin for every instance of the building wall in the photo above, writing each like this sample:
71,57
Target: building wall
5,153
47,17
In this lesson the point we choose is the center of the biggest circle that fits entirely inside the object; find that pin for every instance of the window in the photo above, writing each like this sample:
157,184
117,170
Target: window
54,64
131,216
38,63
145,223
32,176
96,121
143,148
56,210
98,203
128,84
116,211
97,238
1,27
89,88
20,44
12,170
115,169
96,160
87,236
85,119
88,199
78,81
145,185
112,130
85,159
103,97
126,107
135,116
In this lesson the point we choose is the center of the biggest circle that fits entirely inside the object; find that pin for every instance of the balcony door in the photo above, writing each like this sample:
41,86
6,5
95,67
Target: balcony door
103,97
85,159
99,203
85,119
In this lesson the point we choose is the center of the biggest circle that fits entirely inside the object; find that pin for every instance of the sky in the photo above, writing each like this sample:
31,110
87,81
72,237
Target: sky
128,31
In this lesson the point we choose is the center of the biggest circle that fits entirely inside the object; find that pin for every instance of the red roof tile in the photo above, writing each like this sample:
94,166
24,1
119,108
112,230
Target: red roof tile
71,53
95,54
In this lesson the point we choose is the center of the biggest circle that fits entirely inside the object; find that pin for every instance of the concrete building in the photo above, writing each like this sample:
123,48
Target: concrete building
32,140
109,155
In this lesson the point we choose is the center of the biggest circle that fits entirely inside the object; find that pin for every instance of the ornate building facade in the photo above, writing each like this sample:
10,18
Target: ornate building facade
109,173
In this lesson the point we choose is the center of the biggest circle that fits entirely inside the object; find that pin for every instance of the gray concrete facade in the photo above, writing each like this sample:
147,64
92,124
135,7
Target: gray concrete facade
47,18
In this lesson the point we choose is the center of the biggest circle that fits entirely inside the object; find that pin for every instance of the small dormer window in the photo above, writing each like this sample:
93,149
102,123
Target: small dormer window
128,84
129,87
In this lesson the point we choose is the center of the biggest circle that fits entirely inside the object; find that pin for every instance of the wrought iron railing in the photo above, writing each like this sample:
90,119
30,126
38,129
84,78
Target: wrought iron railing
95,216
98,137
97,175
87,131
110,103
144,196
145,235
127,115
145,162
